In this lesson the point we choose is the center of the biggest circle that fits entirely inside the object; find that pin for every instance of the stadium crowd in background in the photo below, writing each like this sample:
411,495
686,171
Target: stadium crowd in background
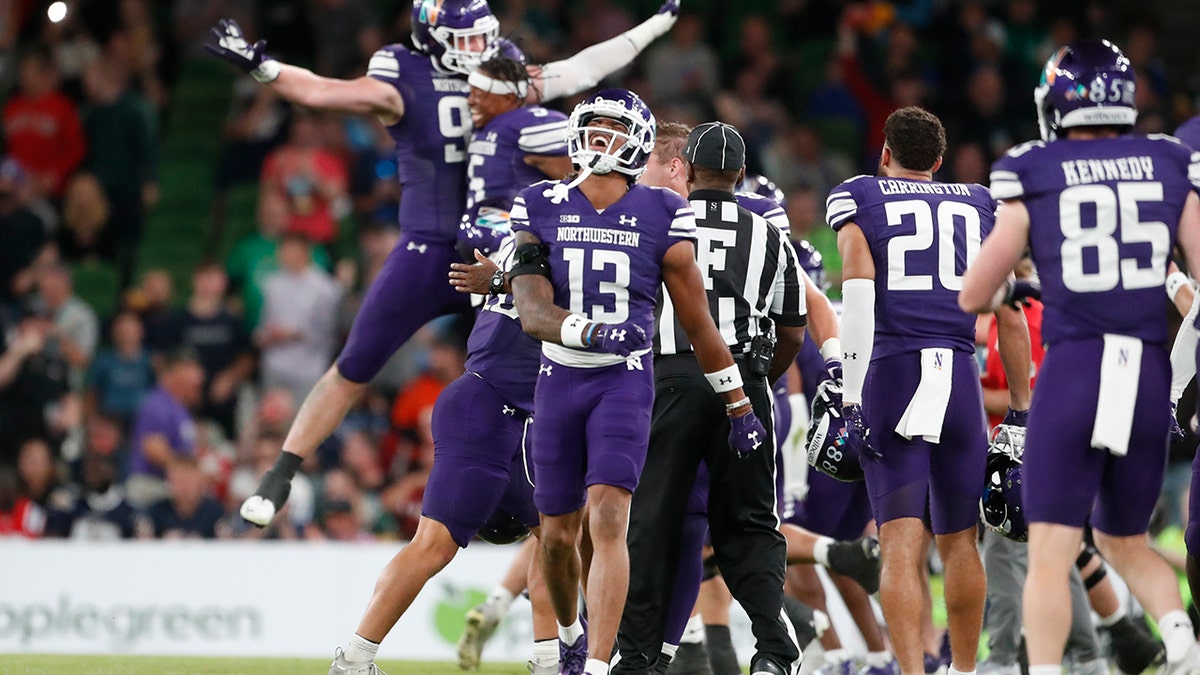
173,403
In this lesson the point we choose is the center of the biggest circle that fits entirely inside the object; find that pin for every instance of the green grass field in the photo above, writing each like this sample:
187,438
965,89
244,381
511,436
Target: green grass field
185,665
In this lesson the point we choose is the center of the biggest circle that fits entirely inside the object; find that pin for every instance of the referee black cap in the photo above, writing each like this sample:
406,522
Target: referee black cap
716,145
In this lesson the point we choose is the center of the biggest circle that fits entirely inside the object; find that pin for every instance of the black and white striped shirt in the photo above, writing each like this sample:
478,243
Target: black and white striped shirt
750,271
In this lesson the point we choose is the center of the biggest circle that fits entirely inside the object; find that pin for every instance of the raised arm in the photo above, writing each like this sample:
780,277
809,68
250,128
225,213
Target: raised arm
585,69
361,96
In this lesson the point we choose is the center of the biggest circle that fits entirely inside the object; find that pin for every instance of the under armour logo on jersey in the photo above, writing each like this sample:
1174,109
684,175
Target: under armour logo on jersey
545,370
631,221
419,248
557,194
509,410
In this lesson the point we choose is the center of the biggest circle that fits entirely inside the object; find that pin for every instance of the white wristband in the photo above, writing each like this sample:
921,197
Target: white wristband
1176,281
726,379
266,71
831,349
571,332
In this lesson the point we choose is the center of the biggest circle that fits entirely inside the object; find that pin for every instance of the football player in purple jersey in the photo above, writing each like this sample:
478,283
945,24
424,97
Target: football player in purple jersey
591,256
421,97
912,400
1100,209
480,421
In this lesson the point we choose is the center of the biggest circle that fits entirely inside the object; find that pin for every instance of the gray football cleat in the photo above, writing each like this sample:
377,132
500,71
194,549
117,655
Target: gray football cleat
481,623
341,666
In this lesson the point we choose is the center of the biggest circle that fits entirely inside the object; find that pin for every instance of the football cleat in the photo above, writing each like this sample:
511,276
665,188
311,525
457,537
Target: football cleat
481,623
572,659
858,559
341,666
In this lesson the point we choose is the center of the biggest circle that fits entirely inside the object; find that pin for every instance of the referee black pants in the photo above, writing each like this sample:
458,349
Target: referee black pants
688,426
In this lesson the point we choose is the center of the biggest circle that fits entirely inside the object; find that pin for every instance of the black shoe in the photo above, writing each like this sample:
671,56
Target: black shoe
690,659
858,559
763,666
1134,648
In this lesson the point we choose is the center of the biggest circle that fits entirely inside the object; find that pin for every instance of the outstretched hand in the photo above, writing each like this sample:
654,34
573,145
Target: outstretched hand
473,277
228,43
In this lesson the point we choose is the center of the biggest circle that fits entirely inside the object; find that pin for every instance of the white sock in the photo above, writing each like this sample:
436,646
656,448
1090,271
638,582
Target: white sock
595,667
693,632
834,656
545,653
1177,636
1054,669
1113,618
956,671
821,550
501,598
569,634
361,650
878,659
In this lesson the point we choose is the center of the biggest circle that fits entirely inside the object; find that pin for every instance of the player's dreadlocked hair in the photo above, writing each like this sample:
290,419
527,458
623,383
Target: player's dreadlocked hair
505,69
916,138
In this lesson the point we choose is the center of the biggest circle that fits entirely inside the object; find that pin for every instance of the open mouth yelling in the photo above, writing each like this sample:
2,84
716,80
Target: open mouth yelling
600,142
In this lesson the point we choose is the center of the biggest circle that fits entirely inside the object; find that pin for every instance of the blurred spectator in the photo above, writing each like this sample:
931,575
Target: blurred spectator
297,334
122,137
798,158
373,184
988,120
42,125
361,458
253,257
163,429
757,53
76,328
33,387
135,47
805,211
37,470
286,26
189,511
19,515
968,164
296,516
219,340
86,216
341,503
1025,38
253,127
682,69
152,300
311,180
23,232
96,509
72,47
347,34
121,375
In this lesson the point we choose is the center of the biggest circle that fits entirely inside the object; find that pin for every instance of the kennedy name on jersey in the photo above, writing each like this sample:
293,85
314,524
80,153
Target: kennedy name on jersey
454,85
911,187
599,235
1079,171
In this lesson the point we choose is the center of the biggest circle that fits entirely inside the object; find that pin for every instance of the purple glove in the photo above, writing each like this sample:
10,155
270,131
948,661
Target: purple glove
1021,291
834,368
669,7
1177,433
1016,418
228,43
858,435
621,339
746,433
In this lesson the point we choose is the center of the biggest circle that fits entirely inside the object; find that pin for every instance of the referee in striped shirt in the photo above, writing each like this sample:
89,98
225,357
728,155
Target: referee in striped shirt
756,296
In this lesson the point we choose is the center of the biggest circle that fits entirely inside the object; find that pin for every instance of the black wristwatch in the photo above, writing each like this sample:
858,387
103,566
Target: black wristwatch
497,285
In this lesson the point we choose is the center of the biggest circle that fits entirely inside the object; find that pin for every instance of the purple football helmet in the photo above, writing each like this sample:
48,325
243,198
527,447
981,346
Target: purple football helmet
635,143
812,263
508,49
761,185
826,439
1086,83
1189,133
1000,504
458,34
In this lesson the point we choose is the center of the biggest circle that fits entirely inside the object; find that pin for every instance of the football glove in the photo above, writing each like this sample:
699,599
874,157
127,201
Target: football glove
858,434
669,7
746,433
1016,418
1177,433
229,44
1021,291
621,339
834,368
